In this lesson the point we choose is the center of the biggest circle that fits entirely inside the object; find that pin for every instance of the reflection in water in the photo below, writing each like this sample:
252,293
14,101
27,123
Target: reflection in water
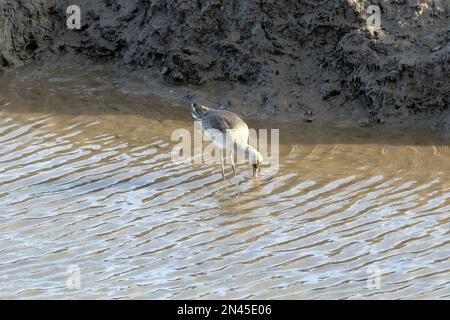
86,180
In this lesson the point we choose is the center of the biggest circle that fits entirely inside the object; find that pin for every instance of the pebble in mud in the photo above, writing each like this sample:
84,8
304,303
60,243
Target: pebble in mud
363,122
328,90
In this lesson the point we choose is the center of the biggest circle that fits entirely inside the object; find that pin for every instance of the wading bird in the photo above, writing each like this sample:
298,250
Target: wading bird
226,130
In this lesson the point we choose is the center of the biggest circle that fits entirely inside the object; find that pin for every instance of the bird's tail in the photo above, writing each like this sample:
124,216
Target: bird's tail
198,111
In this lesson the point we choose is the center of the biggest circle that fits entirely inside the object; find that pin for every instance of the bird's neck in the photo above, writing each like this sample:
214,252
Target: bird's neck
243,147
250,152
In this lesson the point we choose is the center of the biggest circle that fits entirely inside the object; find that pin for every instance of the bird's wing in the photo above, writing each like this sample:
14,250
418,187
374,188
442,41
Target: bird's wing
224,121
213,120
230,120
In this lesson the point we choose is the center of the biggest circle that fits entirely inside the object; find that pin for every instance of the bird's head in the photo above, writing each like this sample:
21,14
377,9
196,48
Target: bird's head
256,166
255,159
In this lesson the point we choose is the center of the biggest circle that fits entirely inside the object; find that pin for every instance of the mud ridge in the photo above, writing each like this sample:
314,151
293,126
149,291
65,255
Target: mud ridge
294,60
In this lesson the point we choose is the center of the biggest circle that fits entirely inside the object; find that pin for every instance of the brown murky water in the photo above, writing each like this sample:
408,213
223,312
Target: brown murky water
87,182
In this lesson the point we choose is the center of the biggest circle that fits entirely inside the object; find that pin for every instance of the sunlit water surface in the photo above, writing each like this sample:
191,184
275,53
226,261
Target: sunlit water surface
87,184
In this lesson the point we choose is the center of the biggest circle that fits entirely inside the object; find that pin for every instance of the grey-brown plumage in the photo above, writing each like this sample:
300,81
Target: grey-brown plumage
217,119
226,130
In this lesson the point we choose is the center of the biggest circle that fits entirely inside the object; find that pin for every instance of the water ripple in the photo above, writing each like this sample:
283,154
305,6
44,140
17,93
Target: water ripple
91,192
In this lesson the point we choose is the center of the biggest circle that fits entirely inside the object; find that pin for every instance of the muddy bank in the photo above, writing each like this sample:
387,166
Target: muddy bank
301,60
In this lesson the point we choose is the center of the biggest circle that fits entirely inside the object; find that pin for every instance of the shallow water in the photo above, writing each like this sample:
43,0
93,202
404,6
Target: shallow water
87,184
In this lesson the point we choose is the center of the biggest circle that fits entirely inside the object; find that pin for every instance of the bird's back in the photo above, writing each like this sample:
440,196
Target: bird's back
221,120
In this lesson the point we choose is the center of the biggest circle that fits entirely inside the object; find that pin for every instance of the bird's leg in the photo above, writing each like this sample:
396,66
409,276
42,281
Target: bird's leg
232,163
223,169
